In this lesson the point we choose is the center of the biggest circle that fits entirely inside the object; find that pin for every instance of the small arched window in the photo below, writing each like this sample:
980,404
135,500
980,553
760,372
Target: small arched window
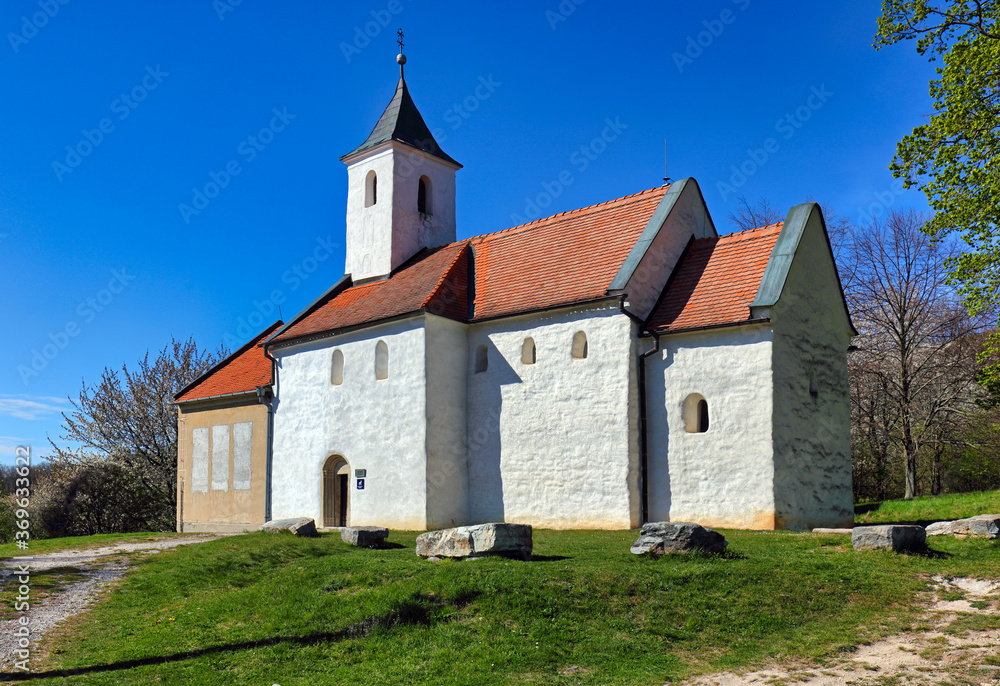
482,358
695,414
371,189
337,368
579,345
381,360
528,351
424,195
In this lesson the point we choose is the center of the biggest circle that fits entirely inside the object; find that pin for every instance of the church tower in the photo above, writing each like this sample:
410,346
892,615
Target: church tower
400,190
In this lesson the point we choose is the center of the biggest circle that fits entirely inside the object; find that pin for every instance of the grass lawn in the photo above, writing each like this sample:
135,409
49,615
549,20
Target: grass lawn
275,609
931,508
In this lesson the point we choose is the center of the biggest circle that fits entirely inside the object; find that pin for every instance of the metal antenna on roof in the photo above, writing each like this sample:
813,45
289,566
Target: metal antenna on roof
666,173
401,58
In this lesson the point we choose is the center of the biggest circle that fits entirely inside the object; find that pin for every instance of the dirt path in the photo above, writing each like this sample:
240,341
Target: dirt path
48,609
954,644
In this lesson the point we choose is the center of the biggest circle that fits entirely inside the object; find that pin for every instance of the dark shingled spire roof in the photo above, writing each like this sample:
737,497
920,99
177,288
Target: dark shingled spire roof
402,122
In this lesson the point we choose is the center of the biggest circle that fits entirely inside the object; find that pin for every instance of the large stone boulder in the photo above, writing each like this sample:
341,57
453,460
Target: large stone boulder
981,526
364,536
677,537
511,540
896,537
940,529
300,526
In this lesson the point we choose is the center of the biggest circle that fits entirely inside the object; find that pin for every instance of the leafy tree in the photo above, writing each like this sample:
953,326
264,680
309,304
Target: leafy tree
953,157
126,430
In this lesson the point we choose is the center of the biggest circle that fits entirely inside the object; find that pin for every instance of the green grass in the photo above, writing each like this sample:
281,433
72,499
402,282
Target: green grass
931,508
51,545
266,609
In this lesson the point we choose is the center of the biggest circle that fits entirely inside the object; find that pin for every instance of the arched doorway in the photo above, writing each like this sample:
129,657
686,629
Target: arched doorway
336,491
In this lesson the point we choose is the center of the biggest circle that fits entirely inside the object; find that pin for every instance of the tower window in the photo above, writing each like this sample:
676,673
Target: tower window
528,351
424,195
482,358
381,360
337,368
695,414
579,345
371,189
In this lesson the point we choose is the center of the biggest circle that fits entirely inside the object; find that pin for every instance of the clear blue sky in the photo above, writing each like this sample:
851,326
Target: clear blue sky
94,243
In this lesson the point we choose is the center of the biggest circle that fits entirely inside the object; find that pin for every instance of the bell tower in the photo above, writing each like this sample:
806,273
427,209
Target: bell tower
400,190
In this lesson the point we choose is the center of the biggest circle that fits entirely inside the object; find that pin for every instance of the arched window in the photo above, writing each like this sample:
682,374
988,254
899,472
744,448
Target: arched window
424,196
381,360
482,358
695,414
371,189
337,368
579,345
528,351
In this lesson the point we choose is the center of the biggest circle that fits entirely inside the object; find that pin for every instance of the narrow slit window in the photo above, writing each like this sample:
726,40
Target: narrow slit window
371,189
579,345
424,195
695,414
337,368
528,351
482,358
381,361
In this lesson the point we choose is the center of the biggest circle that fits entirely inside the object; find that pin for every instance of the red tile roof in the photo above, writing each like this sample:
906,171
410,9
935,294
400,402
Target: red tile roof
242,371
566,258
715,281
434,280
562,259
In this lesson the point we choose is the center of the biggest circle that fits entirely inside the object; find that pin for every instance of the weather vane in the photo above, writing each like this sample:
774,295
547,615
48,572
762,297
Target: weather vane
401,58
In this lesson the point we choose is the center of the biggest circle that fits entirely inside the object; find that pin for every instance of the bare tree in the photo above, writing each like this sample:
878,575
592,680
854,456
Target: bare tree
914,370
127,420
747,216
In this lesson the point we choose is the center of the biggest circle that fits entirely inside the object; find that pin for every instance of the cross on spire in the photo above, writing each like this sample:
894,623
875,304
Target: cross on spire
401,58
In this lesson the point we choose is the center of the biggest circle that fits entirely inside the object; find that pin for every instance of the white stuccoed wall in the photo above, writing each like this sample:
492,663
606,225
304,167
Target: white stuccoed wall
723,477
447,465
385,235
812,431
379,426
554,444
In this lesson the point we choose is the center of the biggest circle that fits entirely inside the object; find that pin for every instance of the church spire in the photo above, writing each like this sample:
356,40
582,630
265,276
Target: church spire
401,121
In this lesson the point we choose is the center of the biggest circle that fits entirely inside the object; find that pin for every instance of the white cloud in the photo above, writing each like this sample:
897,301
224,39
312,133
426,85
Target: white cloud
31,407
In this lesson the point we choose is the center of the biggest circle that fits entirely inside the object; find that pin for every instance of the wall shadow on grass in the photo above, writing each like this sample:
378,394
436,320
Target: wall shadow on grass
408,613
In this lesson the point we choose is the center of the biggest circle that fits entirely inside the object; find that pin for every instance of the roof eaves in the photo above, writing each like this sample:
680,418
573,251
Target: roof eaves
343,283
705,327
329,333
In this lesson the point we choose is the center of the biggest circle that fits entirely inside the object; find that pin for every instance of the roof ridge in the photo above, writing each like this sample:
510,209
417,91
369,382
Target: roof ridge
523,227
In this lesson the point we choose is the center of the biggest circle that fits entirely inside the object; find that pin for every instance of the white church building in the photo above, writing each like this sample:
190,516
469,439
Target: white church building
600,368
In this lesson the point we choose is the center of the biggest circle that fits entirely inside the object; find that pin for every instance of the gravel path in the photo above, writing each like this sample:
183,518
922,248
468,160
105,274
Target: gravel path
67,601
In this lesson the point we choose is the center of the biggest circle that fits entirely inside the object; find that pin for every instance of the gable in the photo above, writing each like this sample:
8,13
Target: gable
680,216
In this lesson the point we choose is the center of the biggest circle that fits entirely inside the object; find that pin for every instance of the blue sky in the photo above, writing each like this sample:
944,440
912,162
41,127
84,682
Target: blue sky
118,116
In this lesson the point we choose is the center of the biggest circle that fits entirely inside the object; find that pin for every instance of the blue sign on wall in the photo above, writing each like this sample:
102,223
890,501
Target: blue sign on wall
361,484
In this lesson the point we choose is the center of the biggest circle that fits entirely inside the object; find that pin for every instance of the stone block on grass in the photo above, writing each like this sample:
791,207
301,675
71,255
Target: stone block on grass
364,536
479,540
895,537
659,538
300,526
980,526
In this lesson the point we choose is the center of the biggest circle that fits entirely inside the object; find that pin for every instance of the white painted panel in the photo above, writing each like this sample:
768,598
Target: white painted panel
220,457
242,445
199,460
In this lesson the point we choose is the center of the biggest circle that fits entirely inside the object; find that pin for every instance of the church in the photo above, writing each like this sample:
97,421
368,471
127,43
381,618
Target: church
596,369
